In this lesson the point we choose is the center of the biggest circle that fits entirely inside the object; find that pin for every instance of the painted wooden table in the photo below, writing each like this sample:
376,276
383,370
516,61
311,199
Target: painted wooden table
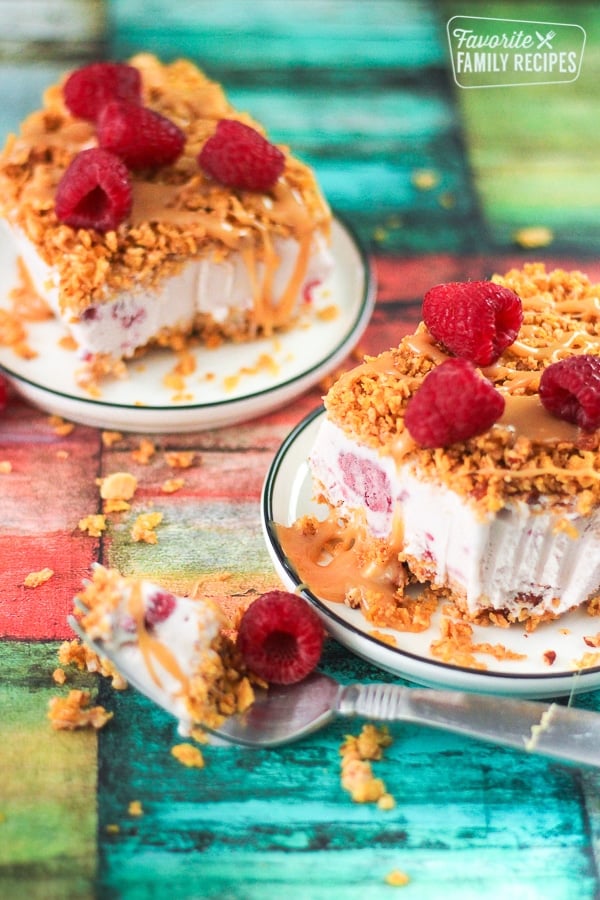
439,182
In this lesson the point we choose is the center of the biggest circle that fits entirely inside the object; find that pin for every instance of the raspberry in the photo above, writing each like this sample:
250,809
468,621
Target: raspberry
88,89
477,320
94,191
141,137
159,607
570,390
240,157
454,403
280,637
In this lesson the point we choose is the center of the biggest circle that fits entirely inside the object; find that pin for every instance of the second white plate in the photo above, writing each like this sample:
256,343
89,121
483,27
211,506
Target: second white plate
231,383
287,495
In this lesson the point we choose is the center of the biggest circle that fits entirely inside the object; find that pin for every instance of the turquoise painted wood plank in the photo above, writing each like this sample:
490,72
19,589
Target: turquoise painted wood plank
240,36
254,823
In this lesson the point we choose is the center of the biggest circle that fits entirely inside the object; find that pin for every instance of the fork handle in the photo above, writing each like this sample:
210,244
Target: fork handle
562,732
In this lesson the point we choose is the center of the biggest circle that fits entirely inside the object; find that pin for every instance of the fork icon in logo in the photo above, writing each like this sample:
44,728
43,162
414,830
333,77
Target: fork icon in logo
545,41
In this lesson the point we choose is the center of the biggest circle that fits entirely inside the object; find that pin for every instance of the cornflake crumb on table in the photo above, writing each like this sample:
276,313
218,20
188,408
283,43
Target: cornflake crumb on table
188,755
35,579
357,753
74,711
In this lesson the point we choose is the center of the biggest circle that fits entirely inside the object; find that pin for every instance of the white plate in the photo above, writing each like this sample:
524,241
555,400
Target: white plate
229,385
287,494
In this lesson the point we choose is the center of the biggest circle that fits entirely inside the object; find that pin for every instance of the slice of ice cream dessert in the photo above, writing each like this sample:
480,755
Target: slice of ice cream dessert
172,648
466,458
146,209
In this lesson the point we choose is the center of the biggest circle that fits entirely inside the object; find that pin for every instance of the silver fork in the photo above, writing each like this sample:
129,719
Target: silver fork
280,714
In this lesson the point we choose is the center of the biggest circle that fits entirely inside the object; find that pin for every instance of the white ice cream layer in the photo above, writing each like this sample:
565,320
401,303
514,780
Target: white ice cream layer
204,286
522,558
185,635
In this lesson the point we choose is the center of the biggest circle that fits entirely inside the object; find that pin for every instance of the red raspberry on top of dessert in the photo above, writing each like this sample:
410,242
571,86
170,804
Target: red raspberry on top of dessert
146,208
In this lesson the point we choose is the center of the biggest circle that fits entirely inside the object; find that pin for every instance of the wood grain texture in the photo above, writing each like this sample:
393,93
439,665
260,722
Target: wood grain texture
363,92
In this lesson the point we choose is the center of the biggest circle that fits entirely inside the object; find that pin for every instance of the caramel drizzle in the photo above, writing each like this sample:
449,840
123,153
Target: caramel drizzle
151,648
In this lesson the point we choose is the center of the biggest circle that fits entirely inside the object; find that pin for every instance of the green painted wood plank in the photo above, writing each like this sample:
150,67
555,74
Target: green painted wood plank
48,783
534,149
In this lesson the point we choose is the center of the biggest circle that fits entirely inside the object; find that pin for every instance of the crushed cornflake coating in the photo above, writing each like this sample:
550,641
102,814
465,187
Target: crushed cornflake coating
118,486
561,311
357,753
457,647
143,529
74,711
94,524
587,661
188,755
74,653
197,217
35,579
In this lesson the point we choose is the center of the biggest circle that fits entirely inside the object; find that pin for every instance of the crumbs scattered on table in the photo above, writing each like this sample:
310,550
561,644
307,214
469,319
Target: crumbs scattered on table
425,179
59,426
397,878
357,753
144,453
74,711
112,828
172,485
35,579
118,486
533,236
109,438
94,524
135,808
188,755
143,529
59,675
180,459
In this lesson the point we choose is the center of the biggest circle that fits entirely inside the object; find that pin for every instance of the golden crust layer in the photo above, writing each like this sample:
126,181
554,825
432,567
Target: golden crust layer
178,212
561,317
